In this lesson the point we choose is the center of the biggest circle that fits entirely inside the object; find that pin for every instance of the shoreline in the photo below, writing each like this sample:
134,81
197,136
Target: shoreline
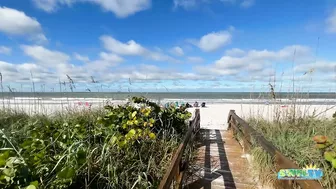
214,115
60,100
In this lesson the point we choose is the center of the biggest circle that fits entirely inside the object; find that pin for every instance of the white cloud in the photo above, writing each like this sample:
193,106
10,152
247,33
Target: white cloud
106,60
194,4
195,59
128,48
331,22
51,5
177,51
121,9
235,52
14,22
187,4
319,66
213,41
22,72
132,48
5,50
81,57
255,61
263,56
247,3
45,56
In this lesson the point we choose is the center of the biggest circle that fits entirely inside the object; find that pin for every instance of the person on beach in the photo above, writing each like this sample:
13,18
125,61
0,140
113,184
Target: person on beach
196,104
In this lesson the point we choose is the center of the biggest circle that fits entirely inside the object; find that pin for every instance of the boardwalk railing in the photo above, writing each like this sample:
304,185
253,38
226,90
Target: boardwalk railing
175,172
239,126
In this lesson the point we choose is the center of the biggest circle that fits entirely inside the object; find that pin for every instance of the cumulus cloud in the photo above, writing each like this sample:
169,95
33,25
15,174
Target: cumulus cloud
21,72
132,48
128,48
255,61
319,66
51,5
45,56
235,52
14,22
81,57
331,22
5,50
194,4
105,61
187,4
195,59
146,72
177,51
247,3
121,9
213,41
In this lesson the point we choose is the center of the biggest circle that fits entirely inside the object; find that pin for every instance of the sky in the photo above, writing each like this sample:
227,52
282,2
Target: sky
168,45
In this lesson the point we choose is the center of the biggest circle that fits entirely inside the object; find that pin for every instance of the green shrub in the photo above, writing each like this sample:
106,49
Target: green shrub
121,147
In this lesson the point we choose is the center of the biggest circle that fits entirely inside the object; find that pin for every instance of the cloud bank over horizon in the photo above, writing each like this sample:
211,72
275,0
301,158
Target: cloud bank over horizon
141,52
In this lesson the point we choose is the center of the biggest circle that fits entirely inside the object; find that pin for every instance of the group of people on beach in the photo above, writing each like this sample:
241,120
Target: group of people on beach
187,105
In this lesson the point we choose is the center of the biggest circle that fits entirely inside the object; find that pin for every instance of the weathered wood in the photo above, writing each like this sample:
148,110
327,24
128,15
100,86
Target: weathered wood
281,162
174,172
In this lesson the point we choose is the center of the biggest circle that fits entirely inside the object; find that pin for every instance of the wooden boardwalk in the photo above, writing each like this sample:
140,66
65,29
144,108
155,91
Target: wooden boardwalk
219,163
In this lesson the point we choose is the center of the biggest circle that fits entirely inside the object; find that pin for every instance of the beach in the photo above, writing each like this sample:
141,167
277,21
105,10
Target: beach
213,116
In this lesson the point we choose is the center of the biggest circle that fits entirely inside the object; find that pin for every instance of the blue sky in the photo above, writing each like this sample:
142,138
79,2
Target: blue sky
174,45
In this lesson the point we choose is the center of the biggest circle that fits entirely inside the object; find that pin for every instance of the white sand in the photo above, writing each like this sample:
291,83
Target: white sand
214,116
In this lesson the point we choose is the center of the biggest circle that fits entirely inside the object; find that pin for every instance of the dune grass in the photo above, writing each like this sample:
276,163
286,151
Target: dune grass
294,139
121,146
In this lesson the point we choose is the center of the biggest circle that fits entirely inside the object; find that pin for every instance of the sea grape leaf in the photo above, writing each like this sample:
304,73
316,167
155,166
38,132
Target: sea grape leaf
320,146
152,136
333,162
34,183
329,156
320,139
134,114
66,173
31,187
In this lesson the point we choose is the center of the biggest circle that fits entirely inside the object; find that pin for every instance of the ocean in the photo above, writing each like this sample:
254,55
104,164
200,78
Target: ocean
168,95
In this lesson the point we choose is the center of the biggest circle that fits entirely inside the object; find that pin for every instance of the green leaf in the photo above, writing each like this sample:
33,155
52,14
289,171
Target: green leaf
81,157
9,172
134,114
31,187
320,146
151,120
329,156
333,162
66,173
152,136
34,183
4,155
132,132
114,139
2,162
